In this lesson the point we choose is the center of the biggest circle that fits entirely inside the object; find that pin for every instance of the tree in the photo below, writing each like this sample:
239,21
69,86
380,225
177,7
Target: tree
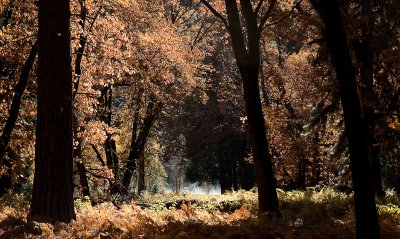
246,48
367,225
15,106
52,196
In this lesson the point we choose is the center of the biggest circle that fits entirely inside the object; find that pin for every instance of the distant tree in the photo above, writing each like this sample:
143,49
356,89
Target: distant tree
52,196
367,225
15,108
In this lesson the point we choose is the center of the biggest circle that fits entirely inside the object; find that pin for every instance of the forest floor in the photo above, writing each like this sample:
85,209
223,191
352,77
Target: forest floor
309,214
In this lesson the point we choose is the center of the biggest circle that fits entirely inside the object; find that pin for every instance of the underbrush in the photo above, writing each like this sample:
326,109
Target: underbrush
310,214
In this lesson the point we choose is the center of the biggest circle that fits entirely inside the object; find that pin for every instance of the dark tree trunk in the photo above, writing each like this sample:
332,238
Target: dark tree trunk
6,15
112,156
247,53
316,163
98,155
246,48
16,102
222,172
246,169
141,174
397,173
138,143
83,179
82,45
367,225
365,56
52,196
235,147
266,183
78,71
77,155
5,178
301,174
133,154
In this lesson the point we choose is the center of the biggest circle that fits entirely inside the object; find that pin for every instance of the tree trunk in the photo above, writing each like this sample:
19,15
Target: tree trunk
141,174
112,156
301,174
246,48
367,225
138,144
222,173
365,56
16,102
5,178
266,183
77,155
52,196
83,179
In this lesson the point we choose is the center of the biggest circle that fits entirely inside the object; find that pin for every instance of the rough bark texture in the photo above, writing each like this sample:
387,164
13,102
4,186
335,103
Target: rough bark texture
52,196
16,102
367,225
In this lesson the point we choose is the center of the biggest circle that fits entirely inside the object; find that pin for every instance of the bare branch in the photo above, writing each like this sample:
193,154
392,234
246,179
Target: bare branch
319,40
215,12
296,6
267,14
259,5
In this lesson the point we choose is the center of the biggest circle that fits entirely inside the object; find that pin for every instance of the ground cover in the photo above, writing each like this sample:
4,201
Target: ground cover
325,213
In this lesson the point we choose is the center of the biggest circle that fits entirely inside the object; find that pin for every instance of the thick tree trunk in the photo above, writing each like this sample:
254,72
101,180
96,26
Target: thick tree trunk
16,102
52,196
367,225
266,182
365,56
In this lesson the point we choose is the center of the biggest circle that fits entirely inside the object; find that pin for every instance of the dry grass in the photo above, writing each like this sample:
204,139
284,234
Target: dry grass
325,214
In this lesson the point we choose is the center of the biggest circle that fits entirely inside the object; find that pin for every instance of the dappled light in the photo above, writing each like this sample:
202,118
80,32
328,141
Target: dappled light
199,119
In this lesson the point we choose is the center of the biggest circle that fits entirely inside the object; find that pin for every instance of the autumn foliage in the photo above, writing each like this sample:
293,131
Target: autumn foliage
163,98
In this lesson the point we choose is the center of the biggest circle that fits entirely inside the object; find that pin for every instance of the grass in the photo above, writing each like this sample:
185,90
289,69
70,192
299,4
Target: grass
309,214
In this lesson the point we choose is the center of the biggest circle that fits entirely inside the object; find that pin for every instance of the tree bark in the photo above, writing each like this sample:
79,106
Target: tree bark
367,225
246,48
83,179
266,182
138,144
365,56
141,174
16,102
52,196
77,155
248,60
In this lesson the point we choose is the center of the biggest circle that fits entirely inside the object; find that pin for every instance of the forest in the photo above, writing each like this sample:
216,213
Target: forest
200,119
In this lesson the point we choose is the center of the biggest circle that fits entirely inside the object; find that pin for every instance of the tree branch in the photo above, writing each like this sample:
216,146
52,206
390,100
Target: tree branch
296,6
267,14
215,12
259,5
